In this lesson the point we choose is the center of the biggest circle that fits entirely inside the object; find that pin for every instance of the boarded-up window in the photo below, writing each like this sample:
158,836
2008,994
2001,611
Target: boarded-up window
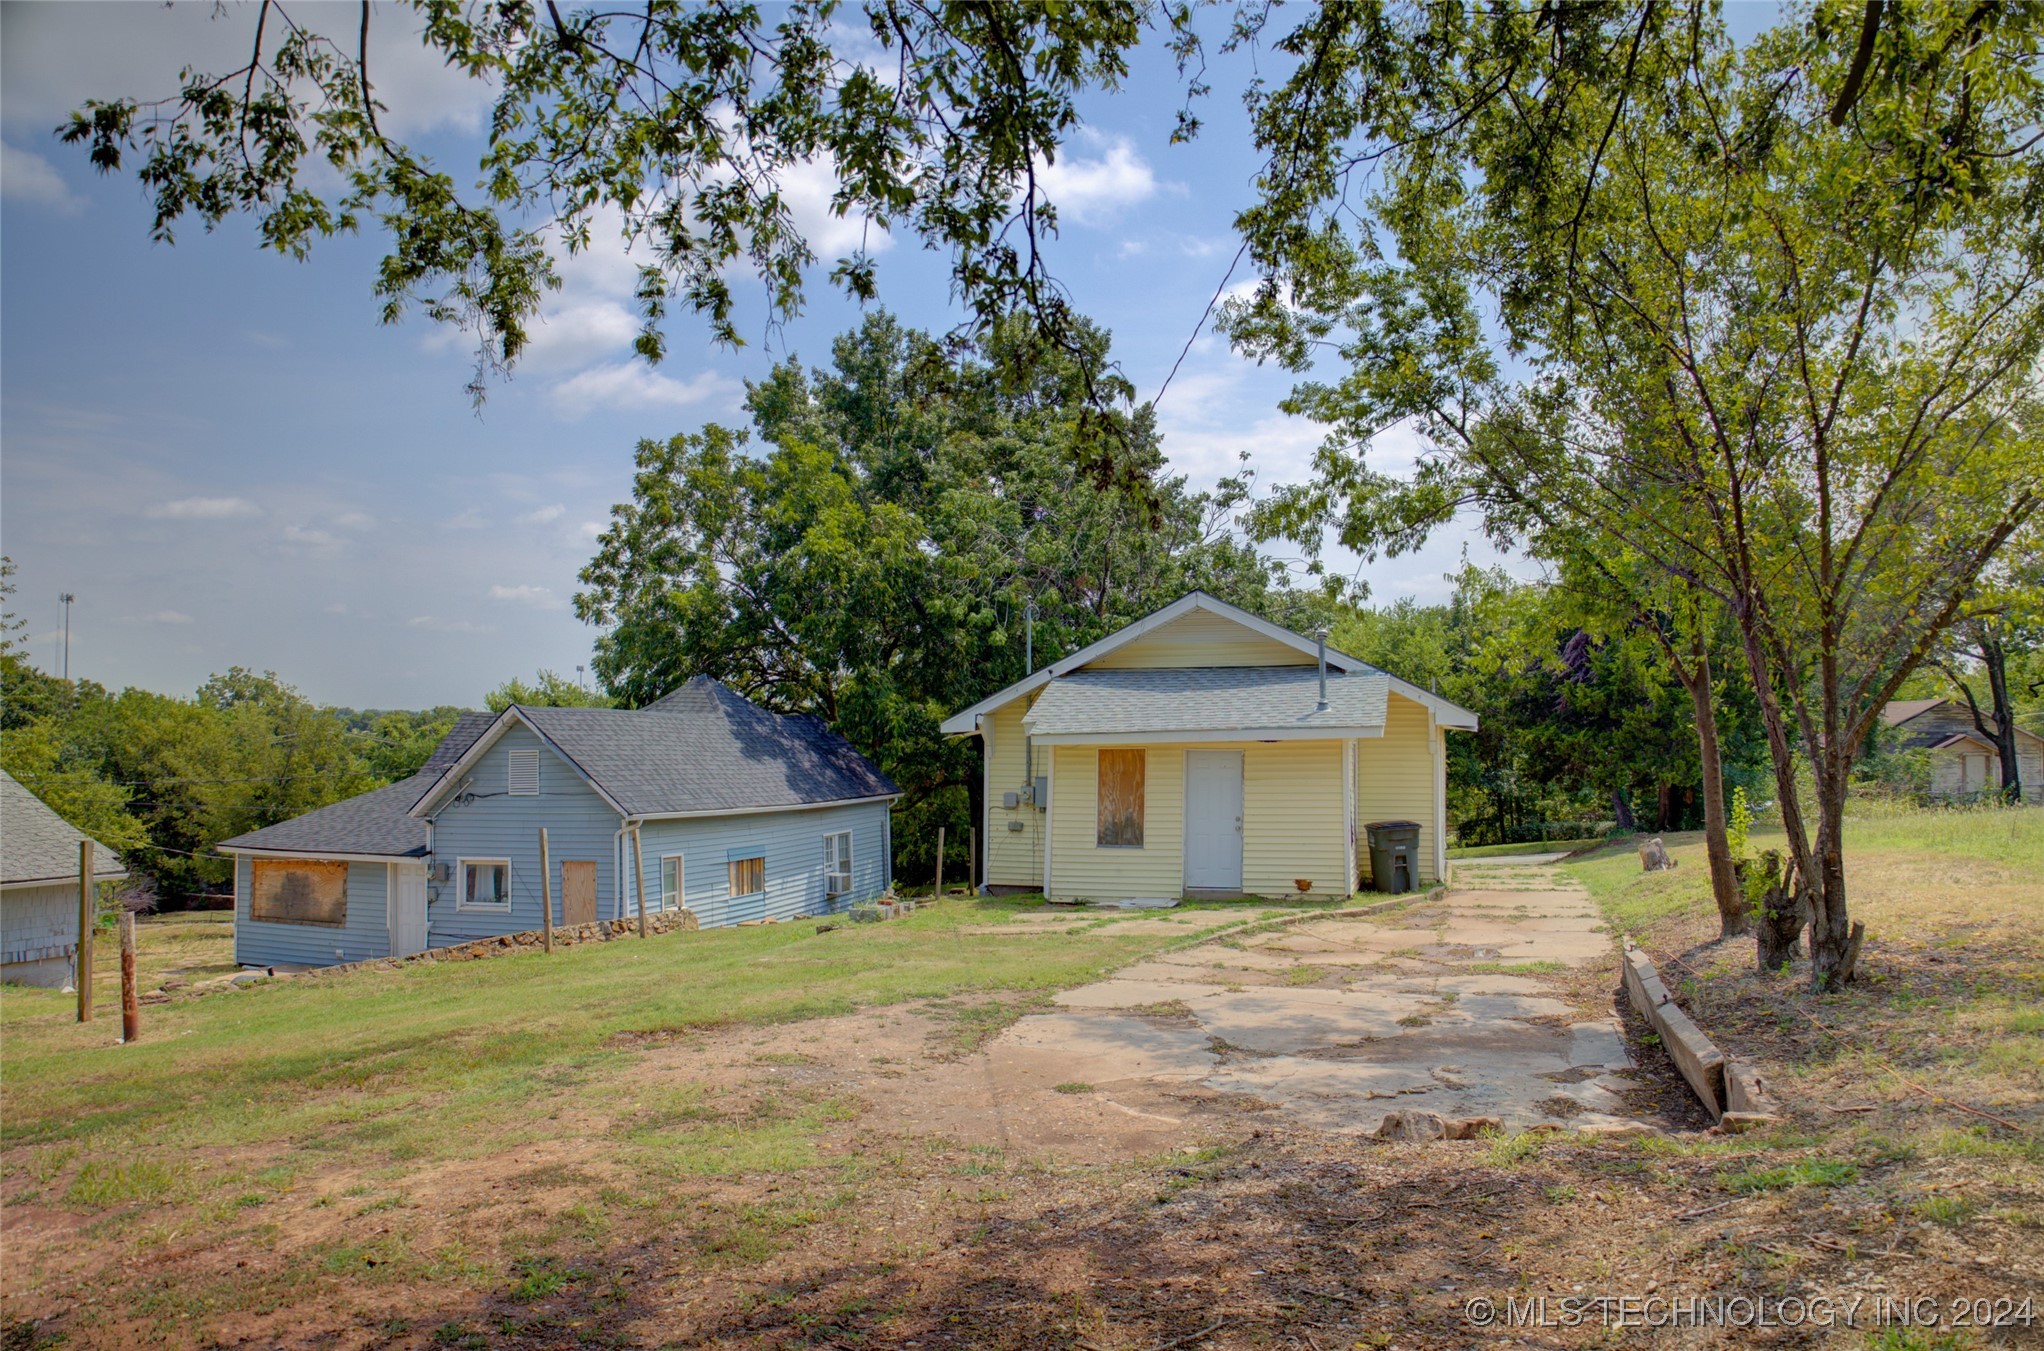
748,876
1121,799
299,891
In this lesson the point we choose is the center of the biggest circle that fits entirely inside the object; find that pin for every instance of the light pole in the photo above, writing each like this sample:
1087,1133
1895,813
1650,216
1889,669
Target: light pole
579,682
67,598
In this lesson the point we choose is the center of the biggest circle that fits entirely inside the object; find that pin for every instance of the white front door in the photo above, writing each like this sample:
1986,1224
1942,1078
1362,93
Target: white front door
407,909
1213,820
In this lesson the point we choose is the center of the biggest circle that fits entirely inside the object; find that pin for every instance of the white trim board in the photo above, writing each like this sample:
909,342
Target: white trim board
1216,736
336,855
965,722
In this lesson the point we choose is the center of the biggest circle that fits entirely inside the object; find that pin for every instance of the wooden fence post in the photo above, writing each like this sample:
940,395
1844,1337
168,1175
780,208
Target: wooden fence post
131,1007
85,923
938,893
639,869
546,895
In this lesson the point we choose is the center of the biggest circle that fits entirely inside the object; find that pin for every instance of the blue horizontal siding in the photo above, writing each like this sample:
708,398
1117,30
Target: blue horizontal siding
580,826
791,843
366,934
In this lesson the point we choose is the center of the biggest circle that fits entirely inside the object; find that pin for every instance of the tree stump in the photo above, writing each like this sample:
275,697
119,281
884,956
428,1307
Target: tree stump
1653,856
1779,910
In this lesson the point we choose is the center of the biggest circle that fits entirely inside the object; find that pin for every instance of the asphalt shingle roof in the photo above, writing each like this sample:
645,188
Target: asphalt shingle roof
706,748
1205,699
374,822
37,845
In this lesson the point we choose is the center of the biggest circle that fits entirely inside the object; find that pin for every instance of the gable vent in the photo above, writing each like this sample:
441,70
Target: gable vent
524,773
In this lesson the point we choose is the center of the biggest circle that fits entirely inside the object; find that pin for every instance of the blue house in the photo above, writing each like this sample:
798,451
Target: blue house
739,814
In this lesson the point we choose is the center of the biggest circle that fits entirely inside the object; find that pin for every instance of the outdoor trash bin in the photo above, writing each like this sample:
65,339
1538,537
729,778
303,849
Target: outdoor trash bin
1394,847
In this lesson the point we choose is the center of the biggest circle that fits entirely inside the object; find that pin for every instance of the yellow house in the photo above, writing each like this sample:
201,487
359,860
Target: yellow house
1204,751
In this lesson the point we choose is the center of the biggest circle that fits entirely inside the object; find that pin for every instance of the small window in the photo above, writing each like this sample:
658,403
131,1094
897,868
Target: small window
748,876
670,882
485,884
837,863
524,773
1121,800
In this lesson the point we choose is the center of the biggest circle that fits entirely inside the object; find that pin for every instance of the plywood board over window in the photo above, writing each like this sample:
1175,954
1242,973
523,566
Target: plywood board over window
1121,799
299,891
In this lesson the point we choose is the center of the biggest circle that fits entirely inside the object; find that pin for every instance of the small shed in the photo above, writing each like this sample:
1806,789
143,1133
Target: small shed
39,887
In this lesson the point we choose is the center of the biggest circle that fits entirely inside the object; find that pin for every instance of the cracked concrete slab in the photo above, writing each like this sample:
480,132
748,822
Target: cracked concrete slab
1336,1021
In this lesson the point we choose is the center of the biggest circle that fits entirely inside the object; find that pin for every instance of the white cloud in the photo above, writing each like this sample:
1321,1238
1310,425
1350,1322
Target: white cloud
590,529
310,538
167,617
54,57
539,597
468,520
27,177
807,188
1090,191
578,332
633,384
355,520
202,509
435,624
544,515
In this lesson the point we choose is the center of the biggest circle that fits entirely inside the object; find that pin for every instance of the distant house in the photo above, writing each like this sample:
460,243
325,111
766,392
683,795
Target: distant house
743,815
1963,763
1200,751
39,887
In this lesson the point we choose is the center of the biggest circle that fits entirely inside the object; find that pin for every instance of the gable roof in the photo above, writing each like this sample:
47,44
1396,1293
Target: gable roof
1259,701
37,845
376,824
965,722
1900,712
703,750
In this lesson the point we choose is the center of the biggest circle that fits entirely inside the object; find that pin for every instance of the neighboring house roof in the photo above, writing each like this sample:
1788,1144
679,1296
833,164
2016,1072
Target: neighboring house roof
1973,738
703,750
1899,713
1258,701
37,845
376,823
965,722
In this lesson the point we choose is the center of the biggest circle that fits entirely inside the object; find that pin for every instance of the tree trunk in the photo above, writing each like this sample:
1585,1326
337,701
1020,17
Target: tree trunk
1621,813
1778,911
1994,659
1830,925
1717,845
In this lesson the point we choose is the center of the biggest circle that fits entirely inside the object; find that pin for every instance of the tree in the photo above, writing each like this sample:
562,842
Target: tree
875,556
2007,622
688,123
1786,360
547,690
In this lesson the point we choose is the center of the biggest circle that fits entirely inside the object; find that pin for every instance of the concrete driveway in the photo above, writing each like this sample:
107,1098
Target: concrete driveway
1449,1006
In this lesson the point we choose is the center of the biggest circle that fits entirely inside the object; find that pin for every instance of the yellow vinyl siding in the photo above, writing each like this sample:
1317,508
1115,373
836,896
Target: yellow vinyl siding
1199,638
1014,857
1079,867
1292,824
1395,778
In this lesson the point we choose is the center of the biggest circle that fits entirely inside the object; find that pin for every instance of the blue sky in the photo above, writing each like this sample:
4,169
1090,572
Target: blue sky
230,461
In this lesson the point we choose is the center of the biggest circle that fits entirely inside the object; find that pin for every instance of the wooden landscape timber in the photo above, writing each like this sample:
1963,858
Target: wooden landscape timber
1733,1093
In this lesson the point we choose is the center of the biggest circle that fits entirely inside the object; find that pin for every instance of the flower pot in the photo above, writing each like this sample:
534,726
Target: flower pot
1304,884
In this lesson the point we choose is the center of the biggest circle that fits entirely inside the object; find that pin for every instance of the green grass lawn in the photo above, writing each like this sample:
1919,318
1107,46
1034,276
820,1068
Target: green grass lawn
438,1060
1510,850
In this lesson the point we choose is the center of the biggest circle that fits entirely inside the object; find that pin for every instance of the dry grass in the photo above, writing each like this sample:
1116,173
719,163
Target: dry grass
1926,1077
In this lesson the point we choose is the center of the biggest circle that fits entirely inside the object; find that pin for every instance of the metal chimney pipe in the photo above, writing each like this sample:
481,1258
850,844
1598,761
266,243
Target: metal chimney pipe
1029,638
1320,634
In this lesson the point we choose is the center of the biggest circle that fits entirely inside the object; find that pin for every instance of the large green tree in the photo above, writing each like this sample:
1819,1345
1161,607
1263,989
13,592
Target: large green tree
688,122
873,548
1767,316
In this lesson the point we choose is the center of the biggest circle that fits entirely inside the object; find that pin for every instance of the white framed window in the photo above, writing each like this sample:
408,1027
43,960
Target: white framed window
483,884
670,881
837,863
524,773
